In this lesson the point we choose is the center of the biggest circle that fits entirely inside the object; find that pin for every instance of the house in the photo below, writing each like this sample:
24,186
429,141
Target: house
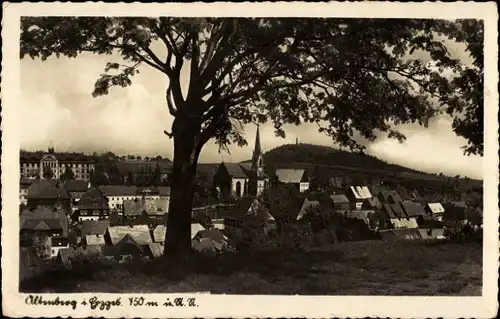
357,195
371,203
76,189
128,248
68,256
93,205
436,210
116,194
50,224
140,234
48,193
195,228
413,209
213,239
154,208
455,211
297,177
231,180
92,232
367,216
389,197
247,214
340,202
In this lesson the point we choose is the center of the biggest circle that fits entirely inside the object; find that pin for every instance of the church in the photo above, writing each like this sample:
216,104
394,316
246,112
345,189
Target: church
243,179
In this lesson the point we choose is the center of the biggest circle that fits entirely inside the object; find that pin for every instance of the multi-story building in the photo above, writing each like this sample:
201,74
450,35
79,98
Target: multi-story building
117,194
36,164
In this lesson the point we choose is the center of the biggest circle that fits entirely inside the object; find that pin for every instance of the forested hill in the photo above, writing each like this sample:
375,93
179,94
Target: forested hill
324,155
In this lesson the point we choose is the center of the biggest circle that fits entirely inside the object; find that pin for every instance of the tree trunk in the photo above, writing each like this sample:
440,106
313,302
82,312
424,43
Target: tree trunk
178,237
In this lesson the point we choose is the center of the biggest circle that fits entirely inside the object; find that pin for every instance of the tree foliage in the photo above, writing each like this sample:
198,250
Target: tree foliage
332,72
48,173
68,174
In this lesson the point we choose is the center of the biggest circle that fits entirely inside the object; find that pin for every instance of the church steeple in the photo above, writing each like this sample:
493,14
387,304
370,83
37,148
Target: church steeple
257,158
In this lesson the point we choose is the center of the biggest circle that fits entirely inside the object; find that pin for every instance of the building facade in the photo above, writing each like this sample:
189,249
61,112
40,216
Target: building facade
38,164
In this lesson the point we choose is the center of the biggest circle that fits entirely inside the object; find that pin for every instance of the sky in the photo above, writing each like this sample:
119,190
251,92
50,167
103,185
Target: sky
57,107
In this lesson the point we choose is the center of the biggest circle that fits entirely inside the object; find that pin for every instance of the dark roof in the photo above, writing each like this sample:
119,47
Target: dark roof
235,170
93,199
94,227
322,198
47,189
398,210
118,190
43,218
76,186
339,199
388,210
128,240
413,209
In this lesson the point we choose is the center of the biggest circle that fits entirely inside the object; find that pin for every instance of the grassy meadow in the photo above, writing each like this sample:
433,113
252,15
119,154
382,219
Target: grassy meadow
356,268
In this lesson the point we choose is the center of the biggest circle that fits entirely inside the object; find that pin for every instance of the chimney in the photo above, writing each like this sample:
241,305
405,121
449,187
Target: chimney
296,141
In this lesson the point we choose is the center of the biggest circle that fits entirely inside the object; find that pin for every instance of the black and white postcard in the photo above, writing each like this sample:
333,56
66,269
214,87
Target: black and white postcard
335,159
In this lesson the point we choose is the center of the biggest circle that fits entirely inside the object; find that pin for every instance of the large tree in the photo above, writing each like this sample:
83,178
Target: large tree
346,75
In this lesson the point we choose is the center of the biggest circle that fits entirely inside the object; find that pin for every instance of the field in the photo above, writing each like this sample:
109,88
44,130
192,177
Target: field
359,268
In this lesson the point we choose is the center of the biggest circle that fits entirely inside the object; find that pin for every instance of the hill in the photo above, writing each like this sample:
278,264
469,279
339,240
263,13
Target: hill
359,166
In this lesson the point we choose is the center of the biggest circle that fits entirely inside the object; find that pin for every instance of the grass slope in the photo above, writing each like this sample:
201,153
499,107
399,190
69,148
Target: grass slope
358,268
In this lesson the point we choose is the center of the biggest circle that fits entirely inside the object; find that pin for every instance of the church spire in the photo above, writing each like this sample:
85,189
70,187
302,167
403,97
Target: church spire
257,158
257,149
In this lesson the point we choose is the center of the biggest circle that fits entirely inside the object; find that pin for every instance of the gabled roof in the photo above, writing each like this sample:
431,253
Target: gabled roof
413,209
140,233
373,202
306,206
66,254
76,186
195,228
94,227
52,218
257,209
235,170
398,210
150,206
93,198
360,192
388,211
128,240
436,208
159,233
117,190
156,249
47,189
291,175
